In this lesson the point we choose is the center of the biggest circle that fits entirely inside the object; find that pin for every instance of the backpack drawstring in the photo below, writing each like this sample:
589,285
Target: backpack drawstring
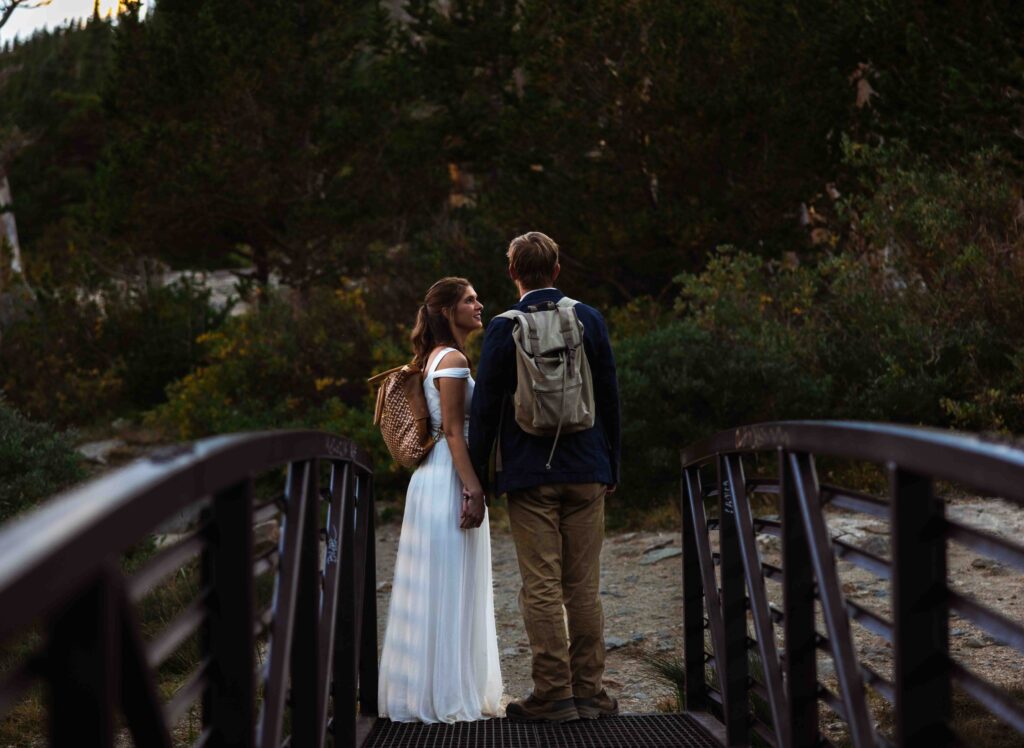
561,410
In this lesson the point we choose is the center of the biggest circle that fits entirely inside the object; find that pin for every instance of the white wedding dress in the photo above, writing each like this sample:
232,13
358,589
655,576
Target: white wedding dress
440,657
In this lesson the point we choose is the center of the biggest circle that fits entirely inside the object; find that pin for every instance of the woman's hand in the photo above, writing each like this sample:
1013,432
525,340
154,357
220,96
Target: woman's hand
472,507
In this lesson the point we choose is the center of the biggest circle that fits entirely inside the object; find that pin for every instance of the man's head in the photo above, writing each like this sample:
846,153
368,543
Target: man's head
533,261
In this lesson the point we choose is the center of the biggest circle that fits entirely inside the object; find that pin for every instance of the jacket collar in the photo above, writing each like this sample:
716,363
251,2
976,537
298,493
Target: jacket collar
538,297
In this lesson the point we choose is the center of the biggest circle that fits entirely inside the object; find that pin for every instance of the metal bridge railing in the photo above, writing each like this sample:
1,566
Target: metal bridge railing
742,647
306,663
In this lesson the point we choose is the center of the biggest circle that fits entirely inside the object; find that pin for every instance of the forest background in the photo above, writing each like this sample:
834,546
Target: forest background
797,209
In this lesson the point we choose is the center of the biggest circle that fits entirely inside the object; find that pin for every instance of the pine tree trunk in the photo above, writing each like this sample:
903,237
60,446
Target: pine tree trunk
8,227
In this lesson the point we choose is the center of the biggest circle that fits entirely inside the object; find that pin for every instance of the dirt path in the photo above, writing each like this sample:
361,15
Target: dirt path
640,589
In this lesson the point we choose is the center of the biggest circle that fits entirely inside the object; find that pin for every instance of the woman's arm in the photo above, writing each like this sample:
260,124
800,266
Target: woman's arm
453,415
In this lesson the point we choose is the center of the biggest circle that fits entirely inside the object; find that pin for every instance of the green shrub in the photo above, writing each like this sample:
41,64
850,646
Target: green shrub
96,354
290,363
35,462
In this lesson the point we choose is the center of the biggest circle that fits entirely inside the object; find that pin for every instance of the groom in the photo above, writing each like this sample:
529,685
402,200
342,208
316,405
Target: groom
556,513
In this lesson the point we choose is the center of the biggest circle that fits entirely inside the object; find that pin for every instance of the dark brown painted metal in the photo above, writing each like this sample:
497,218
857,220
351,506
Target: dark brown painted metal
229,704
921,600
758,598
59,565
734,616
707,569
693,599
920,612
343,688
306,662
368,612
798,615
268,733
83,666
831,598
329,607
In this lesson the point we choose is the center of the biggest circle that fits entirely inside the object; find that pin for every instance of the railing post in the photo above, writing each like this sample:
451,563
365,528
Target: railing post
83,665
758,596
229,701
798,616
837,621
735,695
344,656
305,660
329,604
696,693
285,589
920,612
368,638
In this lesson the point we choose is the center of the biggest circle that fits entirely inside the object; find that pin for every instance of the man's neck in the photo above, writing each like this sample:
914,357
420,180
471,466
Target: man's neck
524,291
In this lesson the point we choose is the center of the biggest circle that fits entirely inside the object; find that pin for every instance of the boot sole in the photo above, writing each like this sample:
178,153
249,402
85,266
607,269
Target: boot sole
563,716
595,713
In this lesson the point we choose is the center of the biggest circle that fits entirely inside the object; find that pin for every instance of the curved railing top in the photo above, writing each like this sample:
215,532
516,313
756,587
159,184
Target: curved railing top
64,541
985,463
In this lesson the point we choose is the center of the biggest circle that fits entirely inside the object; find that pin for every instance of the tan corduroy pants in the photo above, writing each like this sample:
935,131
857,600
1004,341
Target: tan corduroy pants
558,531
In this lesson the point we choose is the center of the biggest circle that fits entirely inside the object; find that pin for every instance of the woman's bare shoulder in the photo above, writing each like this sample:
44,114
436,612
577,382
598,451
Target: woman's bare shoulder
453,360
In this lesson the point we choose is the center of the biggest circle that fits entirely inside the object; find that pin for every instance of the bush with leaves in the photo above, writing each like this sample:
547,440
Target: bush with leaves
73,357
35,462
295,362
919,321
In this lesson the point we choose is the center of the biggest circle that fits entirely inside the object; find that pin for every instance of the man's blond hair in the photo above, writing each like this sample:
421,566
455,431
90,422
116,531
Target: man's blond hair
533,258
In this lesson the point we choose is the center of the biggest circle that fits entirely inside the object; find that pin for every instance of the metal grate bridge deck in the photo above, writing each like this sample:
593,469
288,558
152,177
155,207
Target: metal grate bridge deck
634,731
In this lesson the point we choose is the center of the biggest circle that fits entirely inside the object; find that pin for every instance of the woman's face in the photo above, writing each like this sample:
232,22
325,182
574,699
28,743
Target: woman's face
468,313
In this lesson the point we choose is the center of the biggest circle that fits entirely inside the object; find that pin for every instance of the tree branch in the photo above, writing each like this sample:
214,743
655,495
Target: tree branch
7,7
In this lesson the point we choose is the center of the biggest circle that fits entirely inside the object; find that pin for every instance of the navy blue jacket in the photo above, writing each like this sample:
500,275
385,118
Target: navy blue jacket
590,456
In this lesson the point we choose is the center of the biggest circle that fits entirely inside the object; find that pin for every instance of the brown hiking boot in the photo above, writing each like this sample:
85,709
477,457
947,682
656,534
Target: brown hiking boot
601,705
532,709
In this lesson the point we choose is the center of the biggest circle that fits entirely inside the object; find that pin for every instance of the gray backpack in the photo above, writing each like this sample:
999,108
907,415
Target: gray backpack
555,391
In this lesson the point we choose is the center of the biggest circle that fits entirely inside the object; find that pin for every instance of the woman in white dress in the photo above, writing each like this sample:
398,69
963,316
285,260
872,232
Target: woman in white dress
440,657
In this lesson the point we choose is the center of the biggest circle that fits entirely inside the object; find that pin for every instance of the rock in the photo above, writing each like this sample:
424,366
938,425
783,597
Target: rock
986,563
509,651
100,451
266,532
612,593
659,544
625,538
975,642
383,586
614,642
876,544
665,646
957,632
182,521
632,579
660,555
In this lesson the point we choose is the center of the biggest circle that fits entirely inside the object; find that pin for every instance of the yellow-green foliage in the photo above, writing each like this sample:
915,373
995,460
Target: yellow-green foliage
291,363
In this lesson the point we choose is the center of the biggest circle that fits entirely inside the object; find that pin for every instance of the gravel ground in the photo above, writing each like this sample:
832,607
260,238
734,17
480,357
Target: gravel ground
641,592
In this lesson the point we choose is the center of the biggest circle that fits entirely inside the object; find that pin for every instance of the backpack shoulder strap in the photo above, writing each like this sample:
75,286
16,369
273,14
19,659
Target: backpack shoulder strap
384,374
565,302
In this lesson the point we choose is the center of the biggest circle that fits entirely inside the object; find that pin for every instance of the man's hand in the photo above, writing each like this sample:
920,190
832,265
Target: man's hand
472,508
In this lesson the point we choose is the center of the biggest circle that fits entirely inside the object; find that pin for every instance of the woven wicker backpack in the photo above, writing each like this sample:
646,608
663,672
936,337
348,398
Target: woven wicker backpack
403,415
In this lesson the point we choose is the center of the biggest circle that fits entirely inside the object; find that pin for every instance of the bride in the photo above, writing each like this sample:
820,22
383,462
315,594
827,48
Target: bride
440,656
